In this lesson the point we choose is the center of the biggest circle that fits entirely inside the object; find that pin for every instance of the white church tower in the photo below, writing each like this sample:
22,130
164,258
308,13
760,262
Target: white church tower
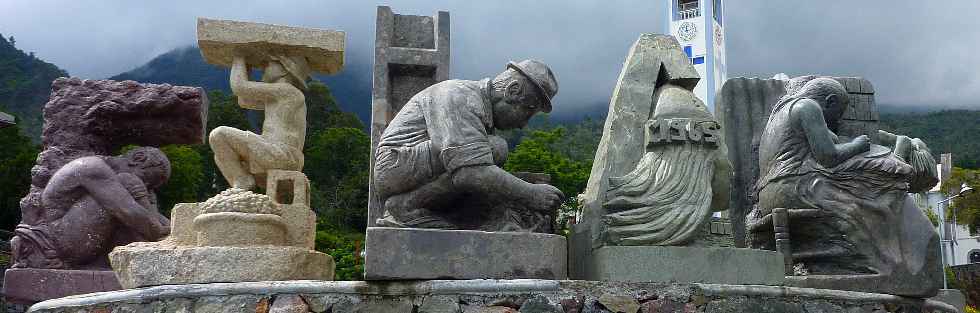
699,27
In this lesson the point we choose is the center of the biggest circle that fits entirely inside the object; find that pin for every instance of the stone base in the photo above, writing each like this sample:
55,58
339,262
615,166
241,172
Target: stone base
541,296
904,285
139,266
953,297
678,264
32,285
412,254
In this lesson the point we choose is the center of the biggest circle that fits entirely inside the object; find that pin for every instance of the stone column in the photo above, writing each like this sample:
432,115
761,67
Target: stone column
411,53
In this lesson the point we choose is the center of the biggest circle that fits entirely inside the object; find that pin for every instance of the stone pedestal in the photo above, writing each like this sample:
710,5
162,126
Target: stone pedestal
410,254
953,297
188,256
32,285
523,295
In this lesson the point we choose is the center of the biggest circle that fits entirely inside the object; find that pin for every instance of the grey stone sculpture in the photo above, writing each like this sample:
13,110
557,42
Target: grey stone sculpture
851,221
678,183
661,170
437,162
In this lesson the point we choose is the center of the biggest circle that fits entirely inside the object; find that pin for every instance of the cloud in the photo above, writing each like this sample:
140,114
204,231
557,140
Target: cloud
917,53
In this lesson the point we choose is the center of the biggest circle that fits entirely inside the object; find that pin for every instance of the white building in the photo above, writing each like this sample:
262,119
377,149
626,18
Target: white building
698,27
959,245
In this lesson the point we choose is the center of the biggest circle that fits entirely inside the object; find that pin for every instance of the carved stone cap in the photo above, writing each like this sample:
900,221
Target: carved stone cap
220,40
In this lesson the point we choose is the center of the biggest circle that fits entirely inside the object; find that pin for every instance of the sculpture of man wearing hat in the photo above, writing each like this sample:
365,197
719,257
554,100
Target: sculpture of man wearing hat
437,163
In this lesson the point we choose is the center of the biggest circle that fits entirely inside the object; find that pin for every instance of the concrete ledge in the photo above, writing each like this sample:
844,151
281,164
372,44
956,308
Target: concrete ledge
32,285
681,265
477,295
411,253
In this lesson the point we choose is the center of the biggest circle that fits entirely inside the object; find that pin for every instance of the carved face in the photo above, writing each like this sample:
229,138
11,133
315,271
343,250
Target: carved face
519,101
273,72
150,165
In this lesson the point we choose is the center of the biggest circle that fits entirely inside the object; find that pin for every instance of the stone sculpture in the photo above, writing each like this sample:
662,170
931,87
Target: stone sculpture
275,231
851,222
83,201
678,183
437,163
660,172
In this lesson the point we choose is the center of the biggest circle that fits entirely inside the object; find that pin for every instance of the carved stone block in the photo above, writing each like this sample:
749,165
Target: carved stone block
220,40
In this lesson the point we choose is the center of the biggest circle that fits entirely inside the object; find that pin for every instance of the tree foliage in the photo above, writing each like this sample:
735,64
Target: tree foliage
967,207
16,159
25,82
186,176
943,131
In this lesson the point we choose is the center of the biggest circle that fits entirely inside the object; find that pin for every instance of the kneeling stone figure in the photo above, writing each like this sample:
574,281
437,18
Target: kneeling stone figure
438,161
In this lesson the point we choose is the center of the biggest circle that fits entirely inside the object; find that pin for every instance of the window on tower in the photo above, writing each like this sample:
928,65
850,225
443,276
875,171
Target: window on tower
686,9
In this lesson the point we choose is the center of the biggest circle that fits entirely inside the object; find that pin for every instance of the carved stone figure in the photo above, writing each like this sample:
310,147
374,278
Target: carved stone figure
438,162
83,201
678,183
851,221
241,154
94,204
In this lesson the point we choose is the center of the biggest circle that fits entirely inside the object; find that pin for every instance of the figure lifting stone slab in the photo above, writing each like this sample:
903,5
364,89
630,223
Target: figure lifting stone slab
438,162
275,230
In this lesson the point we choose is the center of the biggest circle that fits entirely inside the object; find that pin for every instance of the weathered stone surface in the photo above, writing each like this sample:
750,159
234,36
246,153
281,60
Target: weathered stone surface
220,40
32,285
491,296
674,264
289,304
743,106
85,121
398,253
851,222
138,266
6,120
411,53
968,280
653,61
953,297
619,303
439,304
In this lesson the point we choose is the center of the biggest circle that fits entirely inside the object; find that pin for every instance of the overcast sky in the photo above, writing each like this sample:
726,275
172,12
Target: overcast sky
916,52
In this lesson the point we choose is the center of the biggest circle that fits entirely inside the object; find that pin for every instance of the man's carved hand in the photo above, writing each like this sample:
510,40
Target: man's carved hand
544,197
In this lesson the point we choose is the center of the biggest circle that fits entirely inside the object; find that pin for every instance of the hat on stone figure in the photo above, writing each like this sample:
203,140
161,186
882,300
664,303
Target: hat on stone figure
682,104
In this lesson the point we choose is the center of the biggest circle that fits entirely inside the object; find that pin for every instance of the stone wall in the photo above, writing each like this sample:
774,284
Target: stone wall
968,281
539,296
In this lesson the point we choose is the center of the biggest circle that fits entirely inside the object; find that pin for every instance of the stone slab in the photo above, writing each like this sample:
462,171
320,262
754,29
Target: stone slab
30,285
679,264
139,266
220,40
488,296
408,254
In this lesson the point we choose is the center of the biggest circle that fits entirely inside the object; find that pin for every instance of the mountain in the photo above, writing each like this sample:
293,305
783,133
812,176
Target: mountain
25,82
185,66
953,131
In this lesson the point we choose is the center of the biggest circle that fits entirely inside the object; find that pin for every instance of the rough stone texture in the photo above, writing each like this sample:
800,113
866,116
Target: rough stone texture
84,120
953,297
289,304
743,106
138,266
968,280
653,61
191,256
220,40
406,254
495,296
36,285
411,52
673,264
851,222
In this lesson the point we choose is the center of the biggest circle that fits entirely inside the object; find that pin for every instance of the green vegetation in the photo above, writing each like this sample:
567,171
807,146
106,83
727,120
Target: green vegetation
25,82
16,159
967,207
952,131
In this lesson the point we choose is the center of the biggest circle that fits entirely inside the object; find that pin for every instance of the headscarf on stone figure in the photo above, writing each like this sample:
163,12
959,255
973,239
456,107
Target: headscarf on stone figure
667,198
297,68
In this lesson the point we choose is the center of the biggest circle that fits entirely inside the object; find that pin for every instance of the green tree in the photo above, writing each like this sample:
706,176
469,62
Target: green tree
186,176
223,111
16,159
967,207
337,165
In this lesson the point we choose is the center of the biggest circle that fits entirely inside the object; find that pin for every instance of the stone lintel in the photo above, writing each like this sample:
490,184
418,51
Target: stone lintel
220,40
411,254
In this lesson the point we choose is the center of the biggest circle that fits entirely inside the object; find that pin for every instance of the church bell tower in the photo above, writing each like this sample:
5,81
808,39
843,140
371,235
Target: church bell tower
699,28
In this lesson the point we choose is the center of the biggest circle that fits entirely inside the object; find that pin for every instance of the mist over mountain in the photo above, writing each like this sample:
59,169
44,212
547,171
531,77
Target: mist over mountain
185,66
